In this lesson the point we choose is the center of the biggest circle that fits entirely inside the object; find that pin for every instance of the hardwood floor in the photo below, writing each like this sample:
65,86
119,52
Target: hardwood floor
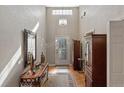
77,76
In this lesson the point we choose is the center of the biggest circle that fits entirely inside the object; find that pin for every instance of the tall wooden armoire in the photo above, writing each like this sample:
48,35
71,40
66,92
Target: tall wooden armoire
95,60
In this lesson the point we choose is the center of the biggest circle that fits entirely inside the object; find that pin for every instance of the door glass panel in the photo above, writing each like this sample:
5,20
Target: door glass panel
61,48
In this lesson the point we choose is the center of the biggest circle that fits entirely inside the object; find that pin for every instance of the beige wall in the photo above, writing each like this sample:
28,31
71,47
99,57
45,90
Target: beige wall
13,19
97,17
53,29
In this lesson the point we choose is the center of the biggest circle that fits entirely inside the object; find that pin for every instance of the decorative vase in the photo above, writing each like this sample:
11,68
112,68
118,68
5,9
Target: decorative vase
32,65
42,58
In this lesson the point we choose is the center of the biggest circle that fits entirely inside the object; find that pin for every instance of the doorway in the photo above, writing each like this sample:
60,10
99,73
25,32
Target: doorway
62,50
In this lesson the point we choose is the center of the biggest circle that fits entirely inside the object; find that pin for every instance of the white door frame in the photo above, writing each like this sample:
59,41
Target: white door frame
108,54
68,50
108,51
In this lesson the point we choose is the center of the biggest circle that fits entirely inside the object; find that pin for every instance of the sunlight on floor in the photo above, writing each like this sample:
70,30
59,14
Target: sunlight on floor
62,71
59,70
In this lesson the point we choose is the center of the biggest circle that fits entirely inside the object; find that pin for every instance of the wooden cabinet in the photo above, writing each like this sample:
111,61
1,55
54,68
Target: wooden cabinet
95,60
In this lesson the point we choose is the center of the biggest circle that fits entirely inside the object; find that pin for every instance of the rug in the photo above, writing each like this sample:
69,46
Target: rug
60,80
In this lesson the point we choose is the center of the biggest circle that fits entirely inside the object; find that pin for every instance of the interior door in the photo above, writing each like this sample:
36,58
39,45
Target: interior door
116,54
62,51
77,65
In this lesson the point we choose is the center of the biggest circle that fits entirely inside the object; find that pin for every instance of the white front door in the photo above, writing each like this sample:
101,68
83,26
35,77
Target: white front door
62,50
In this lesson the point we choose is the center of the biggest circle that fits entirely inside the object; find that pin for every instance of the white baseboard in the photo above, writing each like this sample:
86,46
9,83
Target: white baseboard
52,65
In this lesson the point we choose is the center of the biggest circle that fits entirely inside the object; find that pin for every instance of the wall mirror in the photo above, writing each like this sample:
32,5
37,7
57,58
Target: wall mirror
29,46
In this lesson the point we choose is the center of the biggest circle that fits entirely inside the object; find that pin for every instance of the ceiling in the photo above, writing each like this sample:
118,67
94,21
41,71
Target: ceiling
61,3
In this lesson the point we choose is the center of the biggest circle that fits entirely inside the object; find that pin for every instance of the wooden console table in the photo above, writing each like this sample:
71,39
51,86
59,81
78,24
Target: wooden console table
36,79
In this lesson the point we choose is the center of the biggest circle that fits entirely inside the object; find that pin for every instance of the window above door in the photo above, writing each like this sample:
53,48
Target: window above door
61,12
